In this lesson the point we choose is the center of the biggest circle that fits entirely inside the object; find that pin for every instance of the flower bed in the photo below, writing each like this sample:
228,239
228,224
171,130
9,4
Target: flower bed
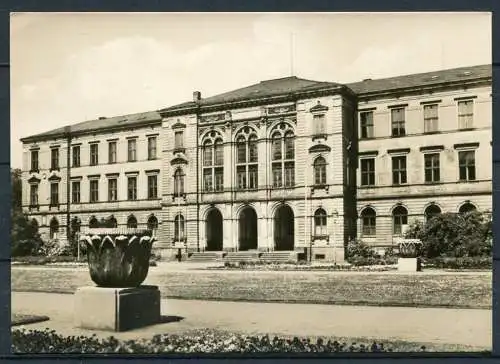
478,263
265,266
204,341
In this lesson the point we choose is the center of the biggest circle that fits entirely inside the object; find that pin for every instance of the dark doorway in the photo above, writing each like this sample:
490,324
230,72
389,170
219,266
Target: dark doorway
284,228
248,229
214,230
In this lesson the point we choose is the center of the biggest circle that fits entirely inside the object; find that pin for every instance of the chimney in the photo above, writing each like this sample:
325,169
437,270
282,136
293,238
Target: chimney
196,96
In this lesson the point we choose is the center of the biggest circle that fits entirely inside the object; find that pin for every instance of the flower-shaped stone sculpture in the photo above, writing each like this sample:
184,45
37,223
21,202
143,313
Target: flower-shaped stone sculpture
410,248
118,257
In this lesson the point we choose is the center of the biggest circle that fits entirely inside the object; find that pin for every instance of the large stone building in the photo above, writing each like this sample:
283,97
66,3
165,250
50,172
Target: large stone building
283,165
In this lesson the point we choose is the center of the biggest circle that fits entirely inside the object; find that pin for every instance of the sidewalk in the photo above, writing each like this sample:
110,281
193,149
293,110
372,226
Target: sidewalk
426,325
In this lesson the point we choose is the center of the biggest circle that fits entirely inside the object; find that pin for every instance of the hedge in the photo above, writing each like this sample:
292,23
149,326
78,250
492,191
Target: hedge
459,263
48,341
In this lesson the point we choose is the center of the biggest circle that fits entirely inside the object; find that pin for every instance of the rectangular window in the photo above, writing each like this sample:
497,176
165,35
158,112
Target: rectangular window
179,140
253,177
430,118
219,179
76,156
34,160
276,147
241,177
94,154
112,189
319,124
75,192
54,158
465,114
366,118
132,150
368,172
467,165
207,156
320,225
152,187
219,154
289,174
112,152
94,190
431,167
399,170
369,227
54,194
207,179
277,175
132,188
33,195
151,148
398,122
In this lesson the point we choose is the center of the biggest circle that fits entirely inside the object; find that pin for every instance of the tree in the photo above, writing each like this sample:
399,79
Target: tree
17,188
25,239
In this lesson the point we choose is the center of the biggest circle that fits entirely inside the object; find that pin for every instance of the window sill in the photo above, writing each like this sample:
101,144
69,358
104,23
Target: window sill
34,207
467,180
179,150
367,138
431,132
131,160
152,158
466,129
319,136
53,206
181,240
320,237
398,136
400,184
34,171
54,169
367,186
324,187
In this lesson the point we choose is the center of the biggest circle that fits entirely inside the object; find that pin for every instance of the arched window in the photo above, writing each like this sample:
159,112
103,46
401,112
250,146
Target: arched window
283,156
152,223
369,222
112,223
320,171
399,218
34,224
179,228
466,208
54,229
246,159
213,162
132,222
320,228
178,183
93,223
431,211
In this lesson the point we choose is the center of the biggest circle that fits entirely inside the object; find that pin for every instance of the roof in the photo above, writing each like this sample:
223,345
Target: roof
421,79
261,90
101,123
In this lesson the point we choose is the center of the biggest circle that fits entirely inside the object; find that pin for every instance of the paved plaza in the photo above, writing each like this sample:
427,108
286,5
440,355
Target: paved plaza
426,325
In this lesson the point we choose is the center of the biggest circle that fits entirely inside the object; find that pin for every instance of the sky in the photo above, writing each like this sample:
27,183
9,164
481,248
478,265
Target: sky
71,67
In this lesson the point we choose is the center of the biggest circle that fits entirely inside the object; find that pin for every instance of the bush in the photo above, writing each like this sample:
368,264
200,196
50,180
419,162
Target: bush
36,341
361,261
459,263
25,239
42,260
357,248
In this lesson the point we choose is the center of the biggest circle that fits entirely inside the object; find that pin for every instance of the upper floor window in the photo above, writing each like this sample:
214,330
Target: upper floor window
320,228
54,194
283,156
467,165
75,192
152,186
246,159
213,161
178,182
320,171
179,139
54,158
34,195
319,122
431,167
399,174
76,156
94,190
112,189
368,172
112,152
398,122
34,160
94,154
465,114
132,150
152,148
132,188
430,118
366,123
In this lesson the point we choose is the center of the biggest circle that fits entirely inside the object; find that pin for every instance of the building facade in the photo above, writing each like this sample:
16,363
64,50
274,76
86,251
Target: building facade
283,165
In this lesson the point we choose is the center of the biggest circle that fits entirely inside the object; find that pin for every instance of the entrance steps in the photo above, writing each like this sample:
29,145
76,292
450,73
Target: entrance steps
205,256
242,256
279,257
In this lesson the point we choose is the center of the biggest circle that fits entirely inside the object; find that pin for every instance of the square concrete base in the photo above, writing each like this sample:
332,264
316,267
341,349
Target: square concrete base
116,309
409,264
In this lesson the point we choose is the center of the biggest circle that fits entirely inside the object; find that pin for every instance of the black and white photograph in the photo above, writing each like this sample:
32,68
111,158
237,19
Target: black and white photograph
204,183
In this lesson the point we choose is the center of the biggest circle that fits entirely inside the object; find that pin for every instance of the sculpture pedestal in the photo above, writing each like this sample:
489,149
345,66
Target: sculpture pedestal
116,309
409,265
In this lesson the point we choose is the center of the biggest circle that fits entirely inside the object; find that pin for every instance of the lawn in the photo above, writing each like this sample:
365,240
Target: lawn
472,290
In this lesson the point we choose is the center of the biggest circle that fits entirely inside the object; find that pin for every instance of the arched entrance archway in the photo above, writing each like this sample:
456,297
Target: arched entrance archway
247,229
214,230
284,233
466,208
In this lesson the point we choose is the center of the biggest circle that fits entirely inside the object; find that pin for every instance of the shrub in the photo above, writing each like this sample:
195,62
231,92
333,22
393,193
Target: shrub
205,341
357,248
459,263
25,239
362,261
